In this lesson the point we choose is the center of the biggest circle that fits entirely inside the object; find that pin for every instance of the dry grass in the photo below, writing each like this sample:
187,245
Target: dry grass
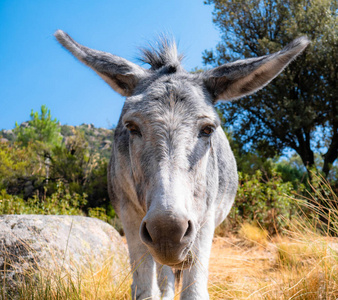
294,266
253,235
236,270
96,281
286,268
302,263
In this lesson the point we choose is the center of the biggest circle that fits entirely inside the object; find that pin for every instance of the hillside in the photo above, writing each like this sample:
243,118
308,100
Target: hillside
99,139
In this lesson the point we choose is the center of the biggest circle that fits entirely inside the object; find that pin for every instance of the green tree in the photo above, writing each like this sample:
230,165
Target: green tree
41,128
299,109
80,169
71,162
21,169
44,165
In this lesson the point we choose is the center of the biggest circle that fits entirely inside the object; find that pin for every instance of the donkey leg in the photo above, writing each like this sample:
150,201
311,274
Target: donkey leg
143,266
166,281
195,278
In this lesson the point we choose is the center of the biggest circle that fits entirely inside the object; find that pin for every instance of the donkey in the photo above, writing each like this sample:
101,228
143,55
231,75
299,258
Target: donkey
172,177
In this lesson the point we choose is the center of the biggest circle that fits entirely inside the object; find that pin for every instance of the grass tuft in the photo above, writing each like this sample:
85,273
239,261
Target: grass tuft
96,281
253,234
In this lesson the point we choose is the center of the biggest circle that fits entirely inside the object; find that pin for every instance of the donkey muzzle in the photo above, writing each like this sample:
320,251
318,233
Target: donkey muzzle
168,237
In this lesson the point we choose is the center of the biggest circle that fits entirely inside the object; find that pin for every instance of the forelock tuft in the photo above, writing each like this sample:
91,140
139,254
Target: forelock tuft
162,53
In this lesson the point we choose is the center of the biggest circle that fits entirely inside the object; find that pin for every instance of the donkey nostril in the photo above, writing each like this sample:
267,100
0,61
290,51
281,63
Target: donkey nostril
189,229
145,234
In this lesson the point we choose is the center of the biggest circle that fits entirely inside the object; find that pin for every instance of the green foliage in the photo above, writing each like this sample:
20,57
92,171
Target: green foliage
21,169
81,169
299,108
12,160
292,170
249,162
99,139
10,204
71,161
41,128
98,212
96,185
34,167
59,203
266,200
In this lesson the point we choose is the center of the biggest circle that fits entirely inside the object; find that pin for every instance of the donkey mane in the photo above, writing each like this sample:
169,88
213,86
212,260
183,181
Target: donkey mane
163,53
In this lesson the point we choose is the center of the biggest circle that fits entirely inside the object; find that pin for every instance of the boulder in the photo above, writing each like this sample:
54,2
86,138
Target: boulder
7,132
66,243
24,124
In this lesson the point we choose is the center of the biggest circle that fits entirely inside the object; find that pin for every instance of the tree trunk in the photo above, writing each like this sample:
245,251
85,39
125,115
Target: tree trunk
331,154
304,151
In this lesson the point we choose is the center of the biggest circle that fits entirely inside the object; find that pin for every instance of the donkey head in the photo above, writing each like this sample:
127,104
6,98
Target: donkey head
167,133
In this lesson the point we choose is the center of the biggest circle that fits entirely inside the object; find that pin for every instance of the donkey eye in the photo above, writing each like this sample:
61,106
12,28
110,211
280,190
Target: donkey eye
207,131
133,129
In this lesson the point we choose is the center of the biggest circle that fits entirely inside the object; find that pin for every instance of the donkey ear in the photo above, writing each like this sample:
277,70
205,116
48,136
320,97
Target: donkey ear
243,77
121,74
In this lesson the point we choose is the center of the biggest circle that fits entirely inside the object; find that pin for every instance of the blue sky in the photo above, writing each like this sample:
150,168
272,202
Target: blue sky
36,70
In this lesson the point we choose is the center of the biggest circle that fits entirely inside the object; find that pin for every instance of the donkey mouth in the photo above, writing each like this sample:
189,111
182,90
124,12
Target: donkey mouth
185,264
181,260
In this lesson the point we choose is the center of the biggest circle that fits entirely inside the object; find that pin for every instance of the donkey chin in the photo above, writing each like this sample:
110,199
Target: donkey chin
173,255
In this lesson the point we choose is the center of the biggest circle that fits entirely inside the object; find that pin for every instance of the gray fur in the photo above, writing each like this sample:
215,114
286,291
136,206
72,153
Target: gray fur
170,183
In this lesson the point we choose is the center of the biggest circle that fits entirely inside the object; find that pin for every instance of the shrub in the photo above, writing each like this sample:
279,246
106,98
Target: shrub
21,170
59,203
264,200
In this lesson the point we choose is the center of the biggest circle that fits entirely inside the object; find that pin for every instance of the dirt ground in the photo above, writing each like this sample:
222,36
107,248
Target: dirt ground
239,269
237,266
